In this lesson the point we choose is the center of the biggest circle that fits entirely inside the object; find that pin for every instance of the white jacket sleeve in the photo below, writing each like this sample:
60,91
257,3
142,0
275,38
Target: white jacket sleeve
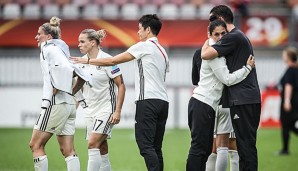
221,71
47,86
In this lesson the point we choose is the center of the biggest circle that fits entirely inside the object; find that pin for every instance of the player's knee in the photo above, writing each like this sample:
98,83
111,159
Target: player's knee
232,144
31,145
103,151
35,146
67,151
62,150
93,144
104,148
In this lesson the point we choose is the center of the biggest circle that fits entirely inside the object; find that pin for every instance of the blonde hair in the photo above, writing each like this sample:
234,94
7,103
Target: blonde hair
98,36
53,28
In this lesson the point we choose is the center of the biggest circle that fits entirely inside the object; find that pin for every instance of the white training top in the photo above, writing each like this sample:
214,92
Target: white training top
151,65
101,97
57,72
213,75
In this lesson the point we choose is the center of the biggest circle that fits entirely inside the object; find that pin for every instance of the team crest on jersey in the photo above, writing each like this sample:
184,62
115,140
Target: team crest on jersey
98,67
115,69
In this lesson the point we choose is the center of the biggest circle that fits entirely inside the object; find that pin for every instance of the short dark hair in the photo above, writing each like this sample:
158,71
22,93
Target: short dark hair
216,23
152,21
222,11
292,53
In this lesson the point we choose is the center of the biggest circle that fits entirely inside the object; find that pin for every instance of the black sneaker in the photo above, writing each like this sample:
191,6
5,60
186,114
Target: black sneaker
283,153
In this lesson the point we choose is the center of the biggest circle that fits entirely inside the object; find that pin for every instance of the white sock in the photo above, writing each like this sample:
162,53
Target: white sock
222,158
105,163
234,160
210,165
73,163
94,159
41,163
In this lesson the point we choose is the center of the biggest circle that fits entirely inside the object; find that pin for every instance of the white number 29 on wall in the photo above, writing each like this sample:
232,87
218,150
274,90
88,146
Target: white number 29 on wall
269,29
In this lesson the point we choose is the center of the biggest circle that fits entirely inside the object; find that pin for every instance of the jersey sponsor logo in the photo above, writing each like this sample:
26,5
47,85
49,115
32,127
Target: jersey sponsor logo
114,71
236,116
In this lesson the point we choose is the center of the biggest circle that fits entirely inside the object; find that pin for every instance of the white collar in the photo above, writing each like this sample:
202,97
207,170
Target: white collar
152,39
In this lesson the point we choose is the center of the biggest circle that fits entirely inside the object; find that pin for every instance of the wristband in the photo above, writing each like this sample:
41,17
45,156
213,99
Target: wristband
45,103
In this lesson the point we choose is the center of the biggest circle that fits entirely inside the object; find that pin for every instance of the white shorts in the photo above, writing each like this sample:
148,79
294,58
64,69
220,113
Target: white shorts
223,122
99,124
57,119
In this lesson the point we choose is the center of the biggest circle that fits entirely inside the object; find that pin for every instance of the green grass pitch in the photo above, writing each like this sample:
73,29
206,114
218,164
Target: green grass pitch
124,154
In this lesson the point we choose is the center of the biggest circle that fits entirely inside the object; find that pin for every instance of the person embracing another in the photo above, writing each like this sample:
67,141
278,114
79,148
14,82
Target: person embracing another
244,99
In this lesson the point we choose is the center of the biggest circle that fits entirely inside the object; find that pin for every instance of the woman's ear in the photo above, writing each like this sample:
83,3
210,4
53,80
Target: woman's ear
49,37
208,34
148,29
92,43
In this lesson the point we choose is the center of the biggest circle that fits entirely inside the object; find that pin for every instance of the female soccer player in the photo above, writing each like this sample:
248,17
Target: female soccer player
58,104
102,105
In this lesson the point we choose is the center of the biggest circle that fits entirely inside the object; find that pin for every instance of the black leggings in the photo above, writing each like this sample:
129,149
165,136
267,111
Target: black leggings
288,121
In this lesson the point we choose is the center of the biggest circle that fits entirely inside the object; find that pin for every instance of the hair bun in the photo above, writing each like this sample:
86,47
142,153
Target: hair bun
102,34
55,21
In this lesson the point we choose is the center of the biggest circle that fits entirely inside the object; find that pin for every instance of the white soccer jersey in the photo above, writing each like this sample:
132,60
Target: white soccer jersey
101,97
150,69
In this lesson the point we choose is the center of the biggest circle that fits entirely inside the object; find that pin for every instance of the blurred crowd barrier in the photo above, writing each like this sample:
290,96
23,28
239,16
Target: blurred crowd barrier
21,91
20,107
